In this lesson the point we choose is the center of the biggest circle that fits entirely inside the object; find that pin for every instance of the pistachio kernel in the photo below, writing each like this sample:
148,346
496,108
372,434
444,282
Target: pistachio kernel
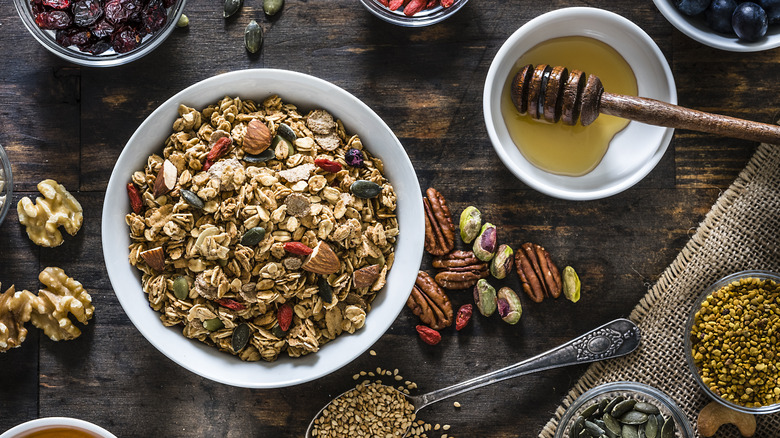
509,307
502,263
485,297
485,244
571,284
470,223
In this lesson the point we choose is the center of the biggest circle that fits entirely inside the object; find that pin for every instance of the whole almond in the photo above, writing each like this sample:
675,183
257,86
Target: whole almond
166,179
257,138
365,277
322,260
155,258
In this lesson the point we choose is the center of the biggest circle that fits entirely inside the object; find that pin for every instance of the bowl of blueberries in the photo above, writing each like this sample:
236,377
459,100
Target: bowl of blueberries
100,33
732,25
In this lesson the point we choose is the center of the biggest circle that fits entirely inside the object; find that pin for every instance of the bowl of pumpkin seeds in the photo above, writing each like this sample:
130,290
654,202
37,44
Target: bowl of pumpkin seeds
624,409
732,344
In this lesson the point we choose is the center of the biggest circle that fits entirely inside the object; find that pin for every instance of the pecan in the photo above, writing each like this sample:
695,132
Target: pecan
459,270
430,303
439,229
538,274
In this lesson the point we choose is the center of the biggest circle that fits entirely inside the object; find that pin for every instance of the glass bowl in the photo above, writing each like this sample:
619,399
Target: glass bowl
7,184
761,275
420,19
638,391
108,58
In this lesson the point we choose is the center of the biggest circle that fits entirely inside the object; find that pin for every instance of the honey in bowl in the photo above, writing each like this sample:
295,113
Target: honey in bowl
558,148
58,432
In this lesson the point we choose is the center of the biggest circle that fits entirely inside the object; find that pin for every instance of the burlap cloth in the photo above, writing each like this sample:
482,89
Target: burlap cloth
740,232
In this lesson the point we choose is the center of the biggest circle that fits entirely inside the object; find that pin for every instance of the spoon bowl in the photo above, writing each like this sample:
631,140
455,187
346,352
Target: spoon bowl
614,339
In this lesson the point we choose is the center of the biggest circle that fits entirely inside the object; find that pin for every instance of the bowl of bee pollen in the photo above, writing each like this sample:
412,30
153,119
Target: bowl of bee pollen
579,162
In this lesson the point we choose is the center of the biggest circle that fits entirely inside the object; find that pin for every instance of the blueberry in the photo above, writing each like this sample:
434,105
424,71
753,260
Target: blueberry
749,21
772,8
718,15
692,7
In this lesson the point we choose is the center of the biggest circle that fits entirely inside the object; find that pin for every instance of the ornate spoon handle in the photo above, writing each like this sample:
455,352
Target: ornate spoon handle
614,339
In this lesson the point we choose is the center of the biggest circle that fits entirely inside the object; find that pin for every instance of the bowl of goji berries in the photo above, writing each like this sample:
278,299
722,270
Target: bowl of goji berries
413,13
100,33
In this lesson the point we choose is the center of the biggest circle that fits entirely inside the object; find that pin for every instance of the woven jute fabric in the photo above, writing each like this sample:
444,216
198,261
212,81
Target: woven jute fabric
740,232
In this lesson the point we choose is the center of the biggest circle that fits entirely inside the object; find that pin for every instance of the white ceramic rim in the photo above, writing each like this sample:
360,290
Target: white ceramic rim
51,422
696,28
8,191
205,360
610,176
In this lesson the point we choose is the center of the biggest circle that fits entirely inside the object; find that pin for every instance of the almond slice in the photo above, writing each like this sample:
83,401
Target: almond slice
322,260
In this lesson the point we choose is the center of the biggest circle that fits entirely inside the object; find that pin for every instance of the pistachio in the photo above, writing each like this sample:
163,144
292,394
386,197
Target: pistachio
365,189
253,236
509,307
253,36
485,297
240,337
470,223
184,21
181,287
571,284
231,7
502,263
192,199
271,7
285,131
485,243
213,324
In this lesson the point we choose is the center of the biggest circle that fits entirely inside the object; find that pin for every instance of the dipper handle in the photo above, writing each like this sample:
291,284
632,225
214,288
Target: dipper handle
554,94
656,112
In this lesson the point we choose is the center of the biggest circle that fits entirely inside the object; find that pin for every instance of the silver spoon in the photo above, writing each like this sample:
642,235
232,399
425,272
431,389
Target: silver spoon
614,339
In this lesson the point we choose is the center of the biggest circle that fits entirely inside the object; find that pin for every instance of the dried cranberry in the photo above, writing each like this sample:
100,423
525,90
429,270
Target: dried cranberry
121,11
37,7
168,3
57,4
354,157
153,16
86,12
53,20
102,28
98,47
73,37
125,39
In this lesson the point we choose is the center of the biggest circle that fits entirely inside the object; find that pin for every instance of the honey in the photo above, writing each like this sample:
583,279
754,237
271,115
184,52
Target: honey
558,148
58,432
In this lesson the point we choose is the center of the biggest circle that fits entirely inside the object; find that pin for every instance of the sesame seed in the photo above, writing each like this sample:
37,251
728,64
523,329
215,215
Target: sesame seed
372,353
456,404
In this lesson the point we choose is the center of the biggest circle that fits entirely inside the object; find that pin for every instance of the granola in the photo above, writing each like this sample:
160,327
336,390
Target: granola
246,245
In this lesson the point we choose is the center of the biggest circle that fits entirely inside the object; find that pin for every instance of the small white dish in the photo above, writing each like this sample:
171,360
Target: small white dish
57,423
307,92
696,28
634,151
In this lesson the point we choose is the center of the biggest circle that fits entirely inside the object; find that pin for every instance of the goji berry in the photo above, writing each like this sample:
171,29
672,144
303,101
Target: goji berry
464,316
328,165
206,165
220,148
135,198
428,335
284,316
231,304
297,248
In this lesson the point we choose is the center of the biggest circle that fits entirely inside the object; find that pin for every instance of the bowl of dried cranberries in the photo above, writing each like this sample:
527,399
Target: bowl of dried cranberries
100,33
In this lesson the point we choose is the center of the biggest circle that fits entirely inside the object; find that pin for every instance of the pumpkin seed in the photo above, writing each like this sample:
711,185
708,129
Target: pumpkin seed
623,407
285,131
668,429
271,7
253,36
577,426
369,189
377,260
633,417
278,332
325,291
585,433
279,139
611,405
651,427
240,337
253,236
629,431
192,199
181,288
262,157
602,405
593,428
213,324
611,423
231,7
647,408
590,410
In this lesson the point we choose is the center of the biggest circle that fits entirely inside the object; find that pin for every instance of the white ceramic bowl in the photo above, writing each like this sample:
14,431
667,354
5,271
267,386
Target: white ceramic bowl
696,28
423,18
634,151
307,93
44,424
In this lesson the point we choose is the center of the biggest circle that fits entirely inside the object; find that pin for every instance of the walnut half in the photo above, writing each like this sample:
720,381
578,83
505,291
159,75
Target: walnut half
43,218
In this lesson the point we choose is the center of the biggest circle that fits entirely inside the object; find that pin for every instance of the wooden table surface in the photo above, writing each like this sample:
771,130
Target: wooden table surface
70,123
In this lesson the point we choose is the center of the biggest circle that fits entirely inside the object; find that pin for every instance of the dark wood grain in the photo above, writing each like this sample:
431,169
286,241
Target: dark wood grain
70,123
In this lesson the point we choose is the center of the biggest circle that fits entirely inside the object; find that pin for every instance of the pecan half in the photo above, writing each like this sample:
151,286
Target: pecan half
439,229
430,303
459,270
538,274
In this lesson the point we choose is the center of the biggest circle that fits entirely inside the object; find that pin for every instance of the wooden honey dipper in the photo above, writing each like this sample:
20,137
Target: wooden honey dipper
554,94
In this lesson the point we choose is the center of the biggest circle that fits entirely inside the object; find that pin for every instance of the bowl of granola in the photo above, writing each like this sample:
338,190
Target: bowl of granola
252,230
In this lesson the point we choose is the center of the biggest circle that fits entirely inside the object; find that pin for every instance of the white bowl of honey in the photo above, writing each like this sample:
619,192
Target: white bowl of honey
579,162
57,427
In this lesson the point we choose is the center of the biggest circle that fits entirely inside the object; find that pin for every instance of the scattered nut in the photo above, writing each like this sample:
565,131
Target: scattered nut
509,307
571,284
502,263
715,415
428,301
485,244
439,229
258,137
166,179
485,297
43,219
470,223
